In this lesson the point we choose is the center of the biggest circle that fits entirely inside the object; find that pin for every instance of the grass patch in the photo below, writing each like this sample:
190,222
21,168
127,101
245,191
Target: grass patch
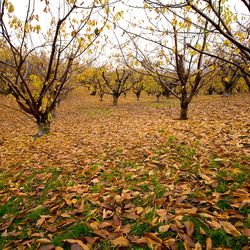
76,231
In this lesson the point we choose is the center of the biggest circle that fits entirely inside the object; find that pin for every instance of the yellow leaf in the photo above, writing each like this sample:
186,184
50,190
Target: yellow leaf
11,8
43,241
74,201
107,10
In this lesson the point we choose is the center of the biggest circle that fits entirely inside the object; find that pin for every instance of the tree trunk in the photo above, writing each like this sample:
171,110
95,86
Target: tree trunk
43,129
247,80
115,100
184,111
227,93
158,96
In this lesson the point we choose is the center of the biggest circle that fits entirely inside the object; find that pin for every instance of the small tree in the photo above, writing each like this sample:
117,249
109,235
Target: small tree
116,83
137,89
230,75
137,81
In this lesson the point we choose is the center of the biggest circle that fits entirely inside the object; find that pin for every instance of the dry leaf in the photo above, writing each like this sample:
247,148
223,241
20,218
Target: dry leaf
49,247
209,244
189,227
7,223
77,244
121,241
43,241
187,238
153,237
163,229
229,228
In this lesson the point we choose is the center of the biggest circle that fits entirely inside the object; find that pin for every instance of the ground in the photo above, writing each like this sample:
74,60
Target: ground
127,177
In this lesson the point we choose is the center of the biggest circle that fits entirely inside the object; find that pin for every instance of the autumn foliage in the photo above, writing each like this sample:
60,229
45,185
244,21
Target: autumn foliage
127,177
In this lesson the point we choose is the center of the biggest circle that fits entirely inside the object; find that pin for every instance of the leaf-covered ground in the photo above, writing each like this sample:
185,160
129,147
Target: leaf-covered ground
127,177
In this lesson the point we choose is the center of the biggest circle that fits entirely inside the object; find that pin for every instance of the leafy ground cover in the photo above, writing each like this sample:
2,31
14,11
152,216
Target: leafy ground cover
127,177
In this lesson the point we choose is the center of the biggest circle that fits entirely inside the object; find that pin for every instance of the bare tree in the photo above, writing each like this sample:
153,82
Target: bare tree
41,59
229,25
165,56
116,83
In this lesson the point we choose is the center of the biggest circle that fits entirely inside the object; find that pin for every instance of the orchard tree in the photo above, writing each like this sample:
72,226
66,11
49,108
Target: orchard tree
44,56
230,75
137,89
159,44
137,81
116,83
229,24
151,86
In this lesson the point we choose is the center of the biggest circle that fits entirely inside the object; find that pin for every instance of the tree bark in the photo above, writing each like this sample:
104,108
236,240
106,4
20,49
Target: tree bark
184,111
115,100
247,80
43,129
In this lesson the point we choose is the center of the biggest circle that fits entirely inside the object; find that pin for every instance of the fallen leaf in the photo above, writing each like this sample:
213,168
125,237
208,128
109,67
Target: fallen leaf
186,245
40,222
229,228
161,212
189,227
214,224
43,241
48,247
7,223
133,216
187,238
103,233
121,241
163,229
209,244
91,240
77,244
246,231
202,231
175,228
153,237
75,247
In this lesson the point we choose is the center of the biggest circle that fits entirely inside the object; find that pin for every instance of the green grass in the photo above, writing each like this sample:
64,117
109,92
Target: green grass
76,231
221,239
122,181
35,214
